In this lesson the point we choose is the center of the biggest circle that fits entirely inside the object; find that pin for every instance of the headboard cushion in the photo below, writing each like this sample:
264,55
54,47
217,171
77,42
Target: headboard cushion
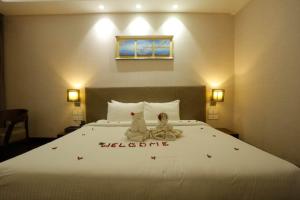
192,99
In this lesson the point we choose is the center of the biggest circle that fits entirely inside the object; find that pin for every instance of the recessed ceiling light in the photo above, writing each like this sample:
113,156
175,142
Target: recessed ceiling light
138,6
175,6
101,7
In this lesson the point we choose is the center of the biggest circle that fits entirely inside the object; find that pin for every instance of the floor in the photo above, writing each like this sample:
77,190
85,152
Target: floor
21,147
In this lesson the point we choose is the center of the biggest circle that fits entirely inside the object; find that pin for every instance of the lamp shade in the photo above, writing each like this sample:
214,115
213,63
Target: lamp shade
218,95
73,95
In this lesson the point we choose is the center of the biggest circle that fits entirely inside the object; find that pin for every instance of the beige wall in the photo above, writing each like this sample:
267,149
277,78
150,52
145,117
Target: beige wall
45,55
267,68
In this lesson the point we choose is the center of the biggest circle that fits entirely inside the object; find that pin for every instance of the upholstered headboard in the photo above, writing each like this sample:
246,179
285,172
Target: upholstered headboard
192,99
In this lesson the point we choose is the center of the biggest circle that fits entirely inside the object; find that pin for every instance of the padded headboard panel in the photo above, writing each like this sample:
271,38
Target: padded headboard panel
192,99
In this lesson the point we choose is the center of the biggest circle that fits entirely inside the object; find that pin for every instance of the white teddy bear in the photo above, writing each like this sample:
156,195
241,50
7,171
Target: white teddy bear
138,131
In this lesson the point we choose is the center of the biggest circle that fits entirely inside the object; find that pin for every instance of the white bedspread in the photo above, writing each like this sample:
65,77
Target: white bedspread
97,162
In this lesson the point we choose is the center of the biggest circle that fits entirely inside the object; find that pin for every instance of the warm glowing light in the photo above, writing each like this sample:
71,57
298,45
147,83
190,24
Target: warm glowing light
175,6
104,28
173,26
73,95
139,26
138,6
218,95
77,85
101,7
214,84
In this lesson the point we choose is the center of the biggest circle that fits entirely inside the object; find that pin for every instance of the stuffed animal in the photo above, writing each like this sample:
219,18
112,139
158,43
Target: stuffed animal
163,123
138,131
165,131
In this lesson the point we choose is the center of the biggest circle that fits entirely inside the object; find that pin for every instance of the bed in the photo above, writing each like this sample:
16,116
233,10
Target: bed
98,162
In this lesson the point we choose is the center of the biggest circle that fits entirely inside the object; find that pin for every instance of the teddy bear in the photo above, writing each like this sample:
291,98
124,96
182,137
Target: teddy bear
138,131
165,131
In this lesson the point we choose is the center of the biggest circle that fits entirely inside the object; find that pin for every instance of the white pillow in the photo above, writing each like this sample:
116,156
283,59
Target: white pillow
152,110
118,111
114,101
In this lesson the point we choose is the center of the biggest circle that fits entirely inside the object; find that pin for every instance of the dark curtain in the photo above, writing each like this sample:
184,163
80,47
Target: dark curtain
2,86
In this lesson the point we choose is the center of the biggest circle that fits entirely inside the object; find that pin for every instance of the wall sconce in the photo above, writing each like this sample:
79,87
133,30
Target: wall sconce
217,96
73,95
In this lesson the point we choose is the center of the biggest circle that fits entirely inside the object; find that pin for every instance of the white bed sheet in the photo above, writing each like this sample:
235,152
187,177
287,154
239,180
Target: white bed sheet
204,164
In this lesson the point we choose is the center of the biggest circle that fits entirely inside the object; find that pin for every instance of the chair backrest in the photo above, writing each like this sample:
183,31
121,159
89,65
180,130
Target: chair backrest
13,116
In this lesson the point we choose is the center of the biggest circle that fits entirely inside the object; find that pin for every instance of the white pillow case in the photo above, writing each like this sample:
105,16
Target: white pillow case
152,110
118,111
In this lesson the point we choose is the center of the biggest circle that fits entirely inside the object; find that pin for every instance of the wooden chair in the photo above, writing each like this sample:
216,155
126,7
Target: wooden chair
9,120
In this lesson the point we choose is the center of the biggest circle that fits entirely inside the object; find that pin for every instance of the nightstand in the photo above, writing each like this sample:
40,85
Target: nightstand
229,132
67,130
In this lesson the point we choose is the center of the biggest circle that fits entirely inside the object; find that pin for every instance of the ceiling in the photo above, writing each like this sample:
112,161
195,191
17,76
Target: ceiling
43,7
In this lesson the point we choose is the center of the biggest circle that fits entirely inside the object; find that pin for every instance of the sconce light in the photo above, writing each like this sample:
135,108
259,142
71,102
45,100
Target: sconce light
73,95
217,96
